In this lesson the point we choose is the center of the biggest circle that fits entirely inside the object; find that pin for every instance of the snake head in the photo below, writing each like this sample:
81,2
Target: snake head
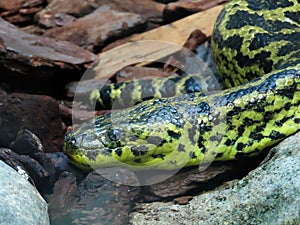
123,139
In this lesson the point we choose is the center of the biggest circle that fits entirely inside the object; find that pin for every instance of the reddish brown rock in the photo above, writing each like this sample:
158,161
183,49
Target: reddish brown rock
62,12
182,200
182,8
34,64
39,114
99,28
20,11
150,11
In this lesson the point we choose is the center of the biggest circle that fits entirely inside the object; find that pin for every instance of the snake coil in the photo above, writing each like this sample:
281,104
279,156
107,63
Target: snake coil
251,39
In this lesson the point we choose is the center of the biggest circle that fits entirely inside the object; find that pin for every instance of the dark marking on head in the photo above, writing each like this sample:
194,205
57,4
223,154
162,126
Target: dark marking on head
118,151
174,135
180,148
192,134
139,150
114,134
193,155
156,140
161,156
137,160
219,155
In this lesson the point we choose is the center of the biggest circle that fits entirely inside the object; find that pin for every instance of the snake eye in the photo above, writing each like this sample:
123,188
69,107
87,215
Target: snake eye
114,134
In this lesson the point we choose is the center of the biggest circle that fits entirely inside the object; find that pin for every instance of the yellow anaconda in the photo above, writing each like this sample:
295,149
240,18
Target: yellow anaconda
252,40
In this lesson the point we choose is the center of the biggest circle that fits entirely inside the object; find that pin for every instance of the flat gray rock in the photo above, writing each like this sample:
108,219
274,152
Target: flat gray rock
270,194
20,202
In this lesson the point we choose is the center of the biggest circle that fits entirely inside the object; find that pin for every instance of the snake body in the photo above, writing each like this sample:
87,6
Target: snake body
256,46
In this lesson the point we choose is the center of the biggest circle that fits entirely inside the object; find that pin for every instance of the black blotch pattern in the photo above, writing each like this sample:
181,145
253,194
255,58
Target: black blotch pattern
139,150
156,140
240,146
118,151
161,156
192,133
268,4
192,85
180,148
193,155
174,135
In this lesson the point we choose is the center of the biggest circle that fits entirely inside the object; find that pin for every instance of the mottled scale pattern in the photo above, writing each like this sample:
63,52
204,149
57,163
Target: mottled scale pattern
126,94
256,48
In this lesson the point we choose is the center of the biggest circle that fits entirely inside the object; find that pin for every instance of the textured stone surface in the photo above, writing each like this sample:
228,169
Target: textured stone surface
270,194
150,11
34,64
96,200
39,114
98,28
20,11
182,8
37,170
20,203
61,12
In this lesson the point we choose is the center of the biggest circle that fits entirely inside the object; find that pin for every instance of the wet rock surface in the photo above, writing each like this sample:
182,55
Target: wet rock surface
20,202
267,195
96,200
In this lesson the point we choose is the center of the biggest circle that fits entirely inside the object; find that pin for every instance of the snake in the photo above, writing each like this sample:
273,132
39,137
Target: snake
256,48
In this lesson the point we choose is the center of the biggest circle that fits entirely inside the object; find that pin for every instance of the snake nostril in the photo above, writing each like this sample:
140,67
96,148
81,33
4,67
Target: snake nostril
114,134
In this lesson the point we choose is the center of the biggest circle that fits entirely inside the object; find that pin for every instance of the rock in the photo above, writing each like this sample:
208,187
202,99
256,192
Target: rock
182,8
98,200
182,200
39,170
12,159
34,64
20,11
20,202
59,13
65,195
196,38
61,164
149,10
26,143
270,194
194,180
39,114
102,26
